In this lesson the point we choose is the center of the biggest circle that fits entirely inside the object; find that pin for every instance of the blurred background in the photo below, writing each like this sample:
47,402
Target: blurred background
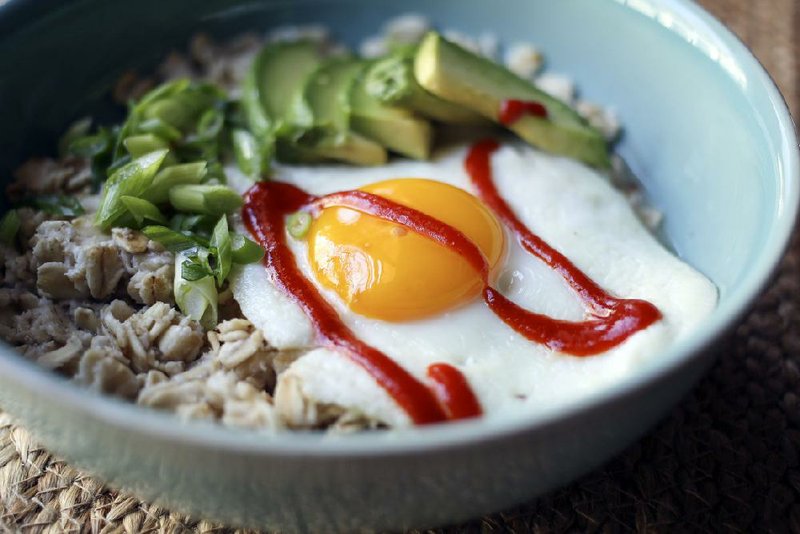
770,28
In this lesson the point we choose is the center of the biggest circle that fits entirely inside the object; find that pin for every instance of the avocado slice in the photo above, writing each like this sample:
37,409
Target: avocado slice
395,128
391,80
327,97
457,75
272,96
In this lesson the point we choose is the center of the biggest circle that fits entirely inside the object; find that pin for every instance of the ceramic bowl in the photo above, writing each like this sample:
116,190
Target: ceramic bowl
706,131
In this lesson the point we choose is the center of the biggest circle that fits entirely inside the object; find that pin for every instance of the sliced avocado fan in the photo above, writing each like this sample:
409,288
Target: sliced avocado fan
391,80
396,128
271,94
476,83
326,95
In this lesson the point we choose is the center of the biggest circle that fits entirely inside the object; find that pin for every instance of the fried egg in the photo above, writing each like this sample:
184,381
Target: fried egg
420,303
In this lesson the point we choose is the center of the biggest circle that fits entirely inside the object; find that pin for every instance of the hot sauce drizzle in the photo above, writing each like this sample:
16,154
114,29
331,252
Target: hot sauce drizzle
513,110
264,212
453,392
610,321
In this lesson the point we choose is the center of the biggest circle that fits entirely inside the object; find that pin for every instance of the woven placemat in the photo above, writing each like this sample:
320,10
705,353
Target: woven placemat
725,460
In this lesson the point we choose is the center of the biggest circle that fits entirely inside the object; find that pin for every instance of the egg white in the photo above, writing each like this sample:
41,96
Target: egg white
571,207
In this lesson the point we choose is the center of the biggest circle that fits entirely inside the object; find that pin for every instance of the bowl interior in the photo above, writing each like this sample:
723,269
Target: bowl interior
705,130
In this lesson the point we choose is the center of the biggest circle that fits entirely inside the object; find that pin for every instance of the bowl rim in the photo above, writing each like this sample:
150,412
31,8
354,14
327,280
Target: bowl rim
128,417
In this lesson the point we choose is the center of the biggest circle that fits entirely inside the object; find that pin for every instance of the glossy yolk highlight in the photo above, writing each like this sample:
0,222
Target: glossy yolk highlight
384,271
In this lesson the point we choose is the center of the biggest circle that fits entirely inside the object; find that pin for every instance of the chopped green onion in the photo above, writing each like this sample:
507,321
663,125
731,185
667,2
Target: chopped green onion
188,117
216,172
61,205
248,154
132,179
119,163
9,226
79,128
244,250
167,178
192,223
197,299
170,110
221,247
181,105
96,147
164,90
124,131
139,145
209,125
298,223
162,129
234,114
89,146
197,266
143,210
204,198
172,240
191,271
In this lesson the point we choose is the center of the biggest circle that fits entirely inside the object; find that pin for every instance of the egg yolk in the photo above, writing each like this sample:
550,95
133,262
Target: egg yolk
384,271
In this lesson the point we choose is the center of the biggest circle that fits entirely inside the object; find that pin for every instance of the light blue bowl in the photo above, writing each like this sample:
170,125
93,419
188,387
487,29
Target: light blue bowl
707,132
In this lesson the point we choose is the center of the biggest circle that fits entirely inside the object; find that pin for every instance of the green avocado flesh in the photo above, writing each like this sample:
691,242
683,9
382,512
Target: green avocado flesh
395,128
271,95
304,107
326,95
391,80
459,76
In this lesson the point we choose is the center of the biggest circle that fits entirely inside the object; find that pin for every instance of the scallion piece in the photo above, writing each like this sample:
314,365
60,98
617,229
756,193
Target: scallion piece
143,210
197,299
192,271
133,180
164,90
204,198
298,223
139,145
209,125
221,248
161,129
244,250
197,265
9,227
76,130
215,171
172,240
170,110
192,223
167,178
182,105
248,155
89,146
120,162
60,205
125,130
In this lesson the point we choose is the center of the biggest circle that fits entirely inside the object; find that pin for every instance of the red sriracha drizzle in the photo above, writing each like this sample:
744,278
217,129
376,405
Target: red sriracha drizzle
264,212
512,110
453,392
611,320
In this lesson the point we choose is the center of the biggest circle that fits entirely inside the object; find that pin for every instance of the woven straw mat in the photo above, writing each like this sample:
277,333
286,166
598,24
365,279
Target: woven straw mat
725,460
